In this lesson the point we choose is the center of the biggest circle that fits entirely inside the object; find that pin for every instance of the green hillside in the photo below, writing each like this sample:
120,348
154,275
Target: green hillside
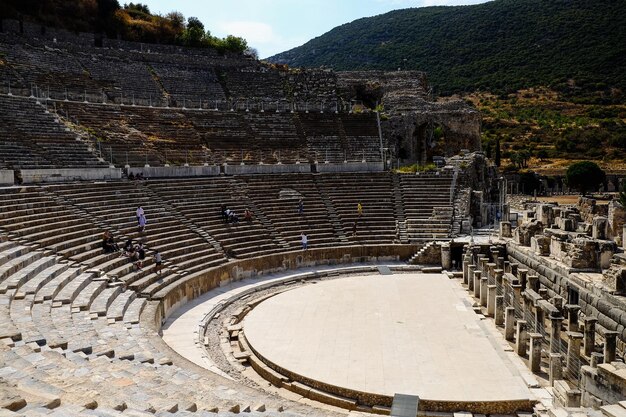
503,45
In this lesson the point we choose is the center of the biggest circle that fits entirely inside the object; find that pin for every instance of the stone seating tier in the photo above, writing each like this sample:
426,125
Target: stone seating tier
69,314
72,134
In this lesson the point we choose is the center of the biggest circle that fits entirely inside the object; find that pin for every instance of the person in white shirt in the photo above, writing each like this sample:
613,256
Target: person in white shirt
139,213
305,241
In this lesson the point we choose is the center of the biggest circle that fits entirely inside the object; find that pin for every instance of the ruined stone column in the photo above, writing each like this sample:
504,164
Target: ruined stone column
520,338
492,292
499,315
477,284
505,230
518,298
609,346
556,368
535,351
509,323
484,283
539,318
499,275
523,277
596,359
557,302
466,263
598,228
533,282
500,263
589,340
491,274
555,334
483,261
494,253
573,354
470,277
514,268
446,257
572,317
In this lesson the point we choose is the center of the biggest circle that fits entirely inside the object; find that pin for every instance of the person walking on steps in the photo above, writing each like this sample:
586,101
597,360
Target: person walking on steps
359,209
139,213
158,262
300,207
305,241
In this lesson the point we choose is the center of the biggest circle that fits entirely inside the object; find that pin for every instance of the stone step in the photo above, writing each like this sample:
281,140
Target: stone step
102,302
70,291
133,312
87,295
120,304
18,263
50,289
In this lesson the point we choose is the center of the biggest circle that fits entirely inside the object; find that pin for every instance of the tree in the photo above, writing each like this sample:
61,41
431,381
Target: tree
194,33
584,176
530,182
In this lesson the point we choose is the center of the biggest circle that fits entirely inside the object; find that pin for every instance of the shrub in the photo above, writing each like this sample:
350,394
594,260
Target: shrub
584,176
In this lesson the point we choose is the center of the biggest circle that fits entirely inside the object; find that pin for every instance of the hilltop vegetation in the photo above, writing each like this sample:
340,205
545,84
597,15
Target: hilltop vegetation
499,46
541,129
132,22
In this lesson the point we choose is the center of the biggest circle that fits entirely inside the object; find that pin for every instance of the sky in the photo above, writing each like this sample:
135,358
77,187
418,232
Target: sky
273,26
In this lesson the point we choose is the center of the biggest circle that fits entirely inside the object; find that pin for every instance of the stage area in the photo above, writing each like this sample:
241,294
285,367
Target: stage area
385,334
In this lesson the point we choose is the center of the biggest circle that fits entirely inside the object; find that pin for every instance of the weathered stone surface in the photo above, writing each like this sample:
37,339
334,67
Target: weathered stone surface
524,233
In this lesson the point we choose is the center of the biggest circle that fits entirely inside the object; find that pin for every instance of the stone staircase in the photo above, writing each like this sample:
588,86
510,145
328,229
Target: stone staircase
156,198
399,210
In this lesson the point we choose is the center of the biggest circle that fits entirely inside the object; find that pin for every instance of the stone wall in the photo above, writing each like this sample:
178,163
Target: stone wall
351,167
176,171
32,176
266,169
6,177
192,286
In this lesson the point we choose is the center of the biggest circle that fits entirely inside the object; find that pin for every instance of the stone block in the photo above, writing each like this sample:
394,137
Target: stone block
540,245
599,227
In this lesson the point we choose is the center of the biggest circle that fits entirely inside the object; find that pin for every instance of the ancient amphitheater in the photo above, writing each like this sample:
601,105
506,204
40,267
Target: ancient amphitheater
393,307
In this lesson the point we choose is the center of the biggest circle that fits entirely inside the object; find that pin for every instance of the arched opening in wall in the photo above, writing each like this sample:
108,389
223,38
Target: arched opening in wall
419,139
430,141
370,94
438,141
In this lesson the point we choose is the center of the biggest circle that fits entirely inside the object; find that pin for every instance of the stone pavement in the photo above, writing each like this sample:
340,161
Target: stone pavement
411,334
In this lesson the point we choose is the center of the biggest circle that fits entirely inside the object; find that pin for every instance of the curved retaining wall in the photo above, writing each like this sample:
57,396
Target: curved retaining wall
192,286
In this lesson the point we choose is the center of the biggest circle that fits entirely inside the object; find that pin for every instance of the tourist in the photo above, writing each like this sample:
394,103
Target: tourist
108,243
128,246
232,216
305,241
359,209
354,228
142,223
131,177
141,255
133,256
139,213
106,246
158,262
223,212
300,207
247,215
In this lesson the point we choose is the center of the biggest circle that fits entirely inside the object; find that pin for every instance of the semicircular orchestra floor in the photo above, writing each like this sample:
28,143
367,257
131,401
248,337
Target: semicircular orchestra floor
409,333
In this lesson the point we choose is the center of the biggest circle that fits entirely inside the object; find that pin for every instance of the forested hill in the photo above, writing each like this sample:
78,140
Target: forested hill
501,45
